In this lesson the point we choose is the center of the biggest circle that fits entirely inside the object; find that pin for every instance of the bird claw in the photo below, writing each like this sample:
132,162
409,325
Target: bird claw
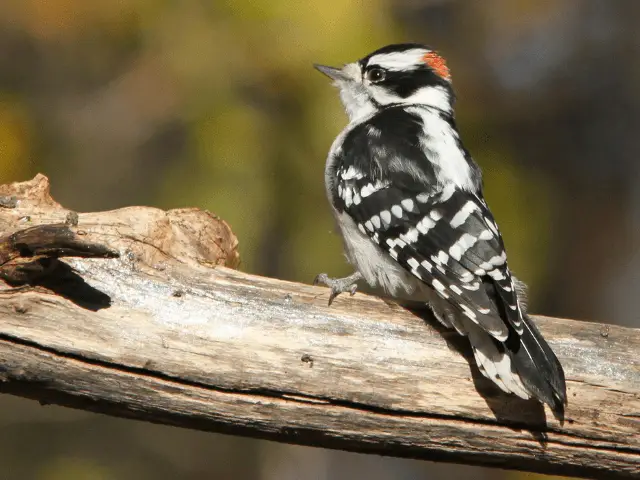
338,285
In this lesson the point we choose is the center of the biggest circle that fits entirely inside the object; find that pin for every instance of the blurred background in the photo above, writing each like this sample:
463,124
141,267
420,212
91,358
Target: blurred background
214,104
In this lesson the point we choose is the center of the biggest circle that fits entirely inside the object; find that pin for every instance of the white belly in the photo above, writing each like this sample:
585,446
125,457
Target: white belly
377,268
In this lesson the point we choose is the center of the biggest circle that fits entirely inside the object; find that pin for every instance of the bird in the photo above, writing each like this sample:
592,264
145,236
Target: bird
408,201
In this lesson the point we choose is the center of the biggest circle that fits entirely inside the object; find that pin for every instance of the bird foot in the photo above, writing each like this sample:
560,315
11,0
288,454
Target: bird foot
339,285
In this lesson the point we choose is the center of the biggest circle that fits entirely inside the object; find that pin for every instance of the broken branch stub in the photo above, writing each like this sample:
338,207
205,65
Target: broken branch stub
34,227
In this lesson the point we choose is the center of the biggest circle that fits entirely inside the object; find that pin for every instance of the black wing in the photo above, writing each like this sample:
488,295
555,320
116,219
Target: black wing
445,238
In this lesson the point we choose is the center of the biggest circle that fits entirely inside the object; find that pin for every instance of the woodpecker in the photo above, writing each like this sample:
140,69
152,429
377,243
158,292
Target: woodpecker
408,200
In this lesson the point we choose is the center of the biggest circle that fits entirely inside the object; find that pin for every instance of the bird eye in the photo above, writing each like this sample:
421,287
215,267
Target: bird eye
376,74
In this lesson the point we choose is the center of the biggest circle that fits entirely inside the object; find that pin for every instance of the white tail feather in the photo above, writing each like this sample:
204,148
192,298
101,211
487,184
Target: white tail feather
493,364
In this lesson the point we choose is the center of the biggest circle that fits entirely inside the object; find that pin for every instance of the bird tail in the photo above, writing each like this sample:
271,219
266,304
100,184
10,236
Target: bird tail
524,365
493,361
538,367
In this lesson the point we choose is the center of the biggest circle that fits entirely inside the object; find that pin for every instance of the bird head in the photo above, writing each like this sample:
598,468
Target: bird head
409,74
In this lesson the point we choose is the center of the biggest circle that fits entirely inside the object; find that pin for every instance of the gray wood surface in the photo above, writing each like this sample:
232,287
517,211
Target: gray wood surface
167,333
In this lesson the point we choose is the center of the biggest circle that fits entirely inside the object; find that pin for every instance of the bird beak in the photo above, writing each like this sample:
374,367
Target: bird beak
332,72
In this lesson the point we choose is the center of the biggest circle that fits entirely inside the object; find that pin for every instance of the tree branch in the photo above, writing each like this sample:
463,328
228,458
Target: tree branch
158,334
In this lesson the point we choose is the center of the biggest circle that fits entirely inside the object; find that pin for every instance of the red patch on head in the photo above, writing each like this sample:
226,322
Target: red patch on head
437,64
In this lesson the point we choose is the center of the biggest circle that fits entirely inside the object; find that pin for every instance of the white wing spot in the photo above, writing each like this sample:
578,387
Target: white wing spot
414,264
348,196
369,188
425,225
496,274
385,215
366,190
411,236
456,289
497,260
484,311
461,216
472,286
485,235
435,214
407,204
427,266
467,241
466,277
397,211
380,185
443,257
369,225
376,221
422,197
351,173
361,228
468,312
464,243
440,288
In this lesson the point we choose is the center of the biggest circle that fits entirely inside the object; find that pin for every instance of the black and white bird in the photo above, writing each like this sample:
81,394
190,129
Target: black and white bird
408,200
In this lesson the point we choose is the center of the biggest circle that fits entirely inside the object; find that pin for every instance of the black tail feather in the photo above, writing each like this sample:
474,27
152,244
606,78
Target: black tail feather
539,368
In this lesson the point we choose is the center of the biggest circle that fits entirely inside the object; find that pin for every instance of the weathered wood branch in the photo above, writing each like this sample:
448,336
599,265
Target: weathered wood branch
157,333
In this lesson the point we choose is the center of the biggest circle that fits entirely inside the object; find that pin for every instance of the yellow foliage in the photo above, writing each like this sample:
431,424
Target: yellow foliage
69,468
14,137
59,19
